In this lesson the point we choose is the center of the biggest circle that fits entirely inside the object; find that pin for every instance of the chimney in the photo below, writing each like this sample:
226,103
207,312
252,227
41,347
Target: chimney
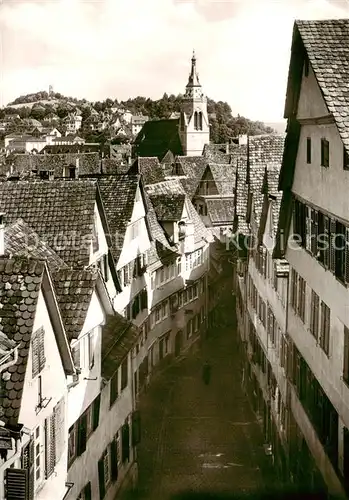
2,233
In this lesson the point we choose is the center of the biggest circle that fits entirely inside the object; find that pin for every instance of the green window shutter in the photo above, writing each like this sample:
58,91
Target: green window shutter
16,484
82,434
101,478
136,428
87,492
95,411
114,460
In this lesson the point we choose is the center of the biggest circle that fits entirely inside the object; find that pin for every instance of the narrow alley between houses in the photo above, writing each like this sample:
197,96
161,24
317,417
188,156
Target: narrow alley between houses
202,439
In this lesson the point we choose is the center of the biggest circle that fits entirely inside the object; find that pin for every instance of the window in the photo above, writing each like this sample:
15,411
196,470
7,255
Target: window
325,328
164,309
325,153
38,351
90,345
340,251
125,442
114,388
294,287
50,445
107,468
308,150
314,314
301,298
85,493
124,373
346,357
82,429
158,314
345,159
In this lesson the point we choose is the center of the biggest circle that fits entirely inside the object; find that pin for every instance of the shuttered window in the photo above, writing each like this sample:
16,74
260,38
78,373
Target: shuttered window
38,351
124,373
346,265
327,242
76,355
308,229
340,244
50,445
72,444
136,428
85,494
294,287
314,314
27,463
325,153
16,484
107,468
82,434
301,298
308,150
125,442
114,387
314,232
332,245
59,411
325,328
346,355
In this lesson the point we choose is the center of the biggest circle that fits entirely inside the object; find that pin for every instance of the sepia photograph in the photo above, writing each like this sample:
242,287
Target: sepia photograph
174,249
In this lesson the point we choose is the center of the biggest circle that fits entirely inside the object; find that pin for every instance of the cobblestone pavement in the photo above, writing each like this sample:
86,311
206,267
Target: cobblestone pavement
198,438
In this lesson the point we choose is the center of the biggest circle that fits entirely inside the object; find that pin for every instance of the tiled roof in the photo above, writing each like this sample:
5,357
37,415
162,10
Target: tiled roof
118,336
168,207
118,193
150,169
60,212
174,186
6,344
215,153
160,246
21,240
74,290
20,283
241,196
224,177
157,137
263,151
194,168
220,210
327,46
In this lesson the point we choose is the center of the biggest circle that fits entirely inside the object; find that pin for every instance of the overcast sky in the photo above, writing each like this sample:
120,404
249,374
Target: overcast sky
124,48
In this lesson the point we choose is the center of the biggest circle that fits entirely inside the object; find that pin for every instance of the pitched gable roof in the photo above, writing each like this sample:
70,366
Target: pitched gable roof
168,207
118,337
241,197
157,137
221,211
326,44
215,153
118,193
193,168
174,186
74,291
21,240
224,177
20,283
150,169
60,212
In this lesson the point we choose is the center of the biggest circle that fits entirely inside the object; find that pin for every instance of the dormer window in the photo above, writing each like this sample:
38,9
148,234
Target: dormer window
181,230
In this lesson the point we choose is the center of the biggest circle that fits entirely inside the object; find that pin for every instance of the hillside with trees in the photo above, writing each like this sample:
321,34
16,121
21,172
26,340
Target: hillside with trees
224,126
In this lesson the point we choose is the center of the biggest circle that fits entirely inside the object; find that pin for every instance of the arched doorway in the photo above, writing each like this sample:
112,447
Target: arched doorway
178,342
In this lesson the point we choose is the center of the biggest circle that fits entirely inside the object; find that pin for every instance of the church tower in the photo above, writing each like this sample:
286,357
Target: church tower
194,127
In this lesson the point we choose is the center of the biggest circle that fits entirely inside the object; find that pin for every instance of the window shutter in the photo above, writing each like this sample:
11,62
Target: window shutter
36,353
125,442
87,492
346,264
95,411
82,434
346,354
114,460
314,232
76,355
327,243
59,428
136,428
41,346
332,245
101,478
50,445
16,484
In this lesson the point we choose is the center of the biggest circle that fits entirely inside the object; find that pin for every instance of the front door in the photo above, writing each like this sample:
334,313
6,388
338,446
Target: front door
178,342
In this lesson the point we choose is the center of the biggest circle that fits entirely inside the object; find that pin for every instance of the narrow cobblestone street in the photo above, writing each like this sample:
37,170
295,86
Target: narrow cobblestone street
198,438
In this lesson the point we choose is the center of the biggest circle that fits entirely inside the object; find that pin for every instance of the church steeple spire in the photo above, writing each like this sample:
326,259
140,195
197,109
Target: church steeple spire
193,80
